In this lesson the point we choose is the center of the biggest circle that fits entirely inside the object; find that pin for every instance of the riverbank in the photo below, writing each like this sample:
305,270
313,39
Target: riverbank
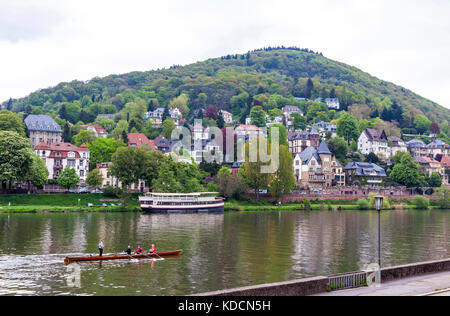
63,203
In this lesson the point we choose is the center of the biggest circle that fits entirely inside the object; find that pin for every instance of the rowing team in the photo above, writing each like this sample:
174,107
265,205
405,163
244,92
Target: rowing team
139,251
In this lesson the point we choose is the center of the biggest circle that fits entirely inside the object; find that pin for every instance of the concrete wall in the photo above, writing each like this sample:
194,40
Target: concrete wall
415,269
303,287
318,285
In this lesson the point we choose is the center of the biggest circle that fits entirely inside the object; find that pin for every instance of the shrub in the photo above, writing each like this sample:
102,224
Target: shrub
363,204
420,203
112,191
307,205
386,202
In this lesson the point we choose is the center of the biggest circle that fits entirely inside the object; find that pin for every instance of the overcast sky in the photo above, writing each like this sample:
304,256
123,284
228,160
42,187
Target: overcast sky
44,42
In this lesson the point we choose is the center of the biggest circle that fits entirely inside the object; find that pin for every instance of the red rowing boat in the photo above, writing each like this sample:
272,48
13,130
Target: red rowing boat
69,260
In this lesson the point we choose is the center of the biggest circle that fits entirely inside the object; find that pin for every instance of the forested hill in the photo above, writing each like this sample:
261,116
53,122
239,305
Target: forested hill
273,76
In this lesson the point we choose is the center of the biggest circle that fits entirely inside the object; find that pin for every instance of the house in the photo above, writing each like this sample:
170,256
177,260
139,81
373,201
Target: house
58,156
325,128
300,140
364,174
374,141
429,166
332,103
418,148
248,132
97,130
318,168
156,116
162,144
445,162
139,140
43,128
227,117
396,145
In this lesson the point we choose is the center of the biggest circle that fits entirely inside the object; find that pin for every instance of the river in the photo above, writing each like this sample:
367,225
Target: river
219,251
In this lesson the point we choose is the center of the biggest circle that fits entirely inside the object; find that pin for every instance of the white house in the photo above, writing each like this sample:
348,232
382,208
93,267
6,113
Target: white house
58,156
374,141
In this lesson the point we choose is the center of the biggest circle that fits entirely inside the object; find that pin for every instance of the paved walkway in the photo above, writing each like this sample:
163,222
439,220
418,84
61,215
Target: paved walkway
431,284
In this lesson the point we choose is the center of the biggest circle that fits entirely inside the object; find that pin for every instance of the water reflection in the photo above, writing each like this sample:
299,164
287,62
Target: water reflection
220,251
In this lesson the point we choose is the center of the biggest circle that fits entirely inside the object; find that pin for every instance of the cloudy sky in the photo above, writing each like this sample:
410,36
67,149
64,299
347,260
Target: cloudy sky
44,42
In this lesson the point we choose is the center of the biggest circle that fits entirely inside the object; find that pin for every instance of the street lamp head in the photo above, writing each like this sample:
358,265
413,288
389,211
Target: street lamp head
379,202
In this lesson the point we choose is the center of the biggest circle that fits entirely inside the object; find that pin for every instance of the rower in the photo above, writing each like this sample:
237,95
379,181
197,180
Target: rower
100,247
153,249
139,250
128,251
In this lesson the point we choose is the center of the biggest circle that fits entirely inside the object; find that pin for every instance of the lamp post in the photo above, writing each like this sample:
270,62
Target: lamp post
379,207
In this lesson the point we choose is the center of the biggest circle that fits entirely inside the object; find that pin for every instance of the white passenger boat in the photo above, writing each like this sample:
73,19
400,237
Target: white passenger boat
207,202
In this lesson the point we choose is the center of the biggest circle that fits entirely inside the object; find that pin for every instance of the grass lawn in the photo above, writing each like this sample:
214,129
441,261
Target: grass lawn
62,203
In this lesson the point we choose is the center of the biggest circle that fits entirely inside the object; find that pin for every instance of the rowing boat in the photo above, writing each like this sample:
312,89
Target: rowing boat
69,260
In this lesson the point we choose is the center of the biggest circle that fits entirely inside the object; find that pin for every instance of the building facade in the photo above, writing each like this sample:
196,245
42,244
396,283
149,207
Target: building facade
374,141
58,156
43,129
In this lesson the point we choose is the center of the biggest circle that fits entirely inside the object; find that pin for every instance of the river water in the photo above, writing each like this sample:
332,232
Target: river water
219,251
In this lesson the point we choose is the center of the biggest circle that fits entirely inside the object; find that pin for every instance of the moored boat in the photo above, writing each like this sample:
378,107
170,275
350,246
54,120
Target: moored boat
202,202
165,254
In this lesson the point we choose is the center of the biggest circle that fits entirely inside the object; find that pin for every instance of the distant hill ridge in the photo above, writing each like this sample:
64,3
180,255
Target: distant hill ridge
269,71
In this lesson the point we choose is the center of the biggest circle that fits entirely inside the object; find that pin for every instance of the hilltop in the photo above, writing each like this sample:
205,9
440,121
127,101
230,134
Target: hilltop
273,76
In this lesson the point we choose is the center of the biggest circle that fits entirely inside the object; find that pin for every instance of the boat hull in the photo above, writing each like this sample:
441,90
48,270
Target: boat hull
176,210
69,260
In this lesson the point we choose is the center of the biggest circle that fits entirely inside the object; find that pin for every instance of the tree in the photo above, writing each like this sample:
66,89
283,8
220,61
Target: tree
102,150
372,158
125,137
68,178
15,157
283,134
434,128
284,180
299,121
127,165
67,133
443,194
167,128
339,147
407,173
220,121
422,123
10,121
38,173
435,180
83,137
258,116
347,127
229,185
309,88
251,171
211,112
181,103
94,178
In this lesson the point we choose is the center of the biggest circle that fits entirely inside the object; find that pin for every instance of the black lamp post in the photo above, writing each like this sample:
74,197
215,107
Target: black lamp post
379,207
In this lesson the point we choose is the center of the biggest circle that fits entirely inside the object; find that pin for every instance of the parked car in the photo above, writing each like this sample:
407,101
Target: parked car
83,191
97,191
71,191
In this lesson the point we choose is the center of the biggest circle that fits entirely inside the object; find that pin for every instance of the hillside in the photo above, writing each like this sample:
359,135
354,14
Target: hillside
273,76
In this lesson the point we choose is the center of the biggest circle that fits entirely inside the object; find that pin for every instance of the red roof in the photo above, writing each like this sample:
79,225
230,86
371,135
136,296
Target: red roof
42,146
138,140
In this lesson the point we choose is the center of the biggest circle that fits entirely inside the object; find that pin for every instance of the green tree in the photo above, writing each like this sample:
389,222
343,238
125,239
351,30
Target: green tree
347,127
167,127
102,150
283,134
443,194
128,164
299,121
422,123
339,147
284,180
94,178
68,178
181,102
407,173
435,180
258,116
15,157
38,173
10,121
83,137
